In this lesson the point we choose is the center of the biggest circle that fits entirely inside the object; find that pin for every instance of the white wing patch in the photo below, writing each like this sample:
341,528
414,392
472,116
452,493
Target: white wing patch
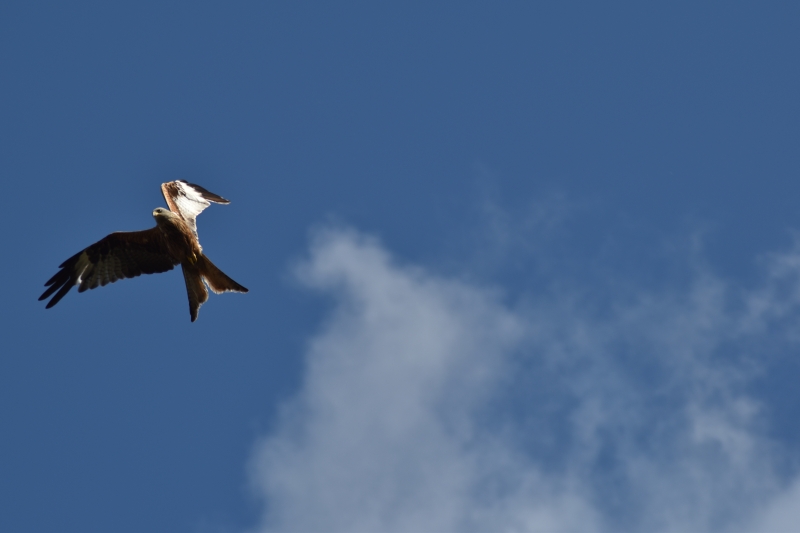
80,267
189,200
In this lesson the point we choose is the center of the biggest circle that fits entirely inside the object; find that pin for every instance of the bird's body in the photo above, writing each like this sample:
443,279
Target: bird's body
181,243
173,241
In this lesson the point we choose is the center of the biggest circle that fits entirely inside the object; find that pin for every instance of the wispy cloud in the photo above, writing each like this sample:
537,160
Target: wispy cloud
434,404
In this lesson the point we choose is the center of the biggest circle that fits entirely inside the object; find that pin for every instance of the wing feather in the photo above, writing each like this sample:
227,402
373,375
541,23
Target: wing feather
189,200
125,254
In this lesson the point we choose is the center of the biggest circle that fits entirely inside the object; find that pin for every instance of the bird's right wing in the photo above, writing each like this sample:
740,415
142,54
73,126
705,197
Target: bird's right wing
189,200
125,254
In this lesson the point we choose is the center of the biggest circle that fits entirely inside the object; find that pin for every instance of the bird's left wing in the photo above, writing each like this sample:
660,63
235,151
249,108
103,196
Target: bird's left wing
189,200
125,254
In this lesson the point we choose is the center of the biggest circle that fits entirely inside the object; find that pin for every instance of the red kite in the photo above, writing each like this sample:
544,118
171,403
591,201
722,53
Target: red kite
127,254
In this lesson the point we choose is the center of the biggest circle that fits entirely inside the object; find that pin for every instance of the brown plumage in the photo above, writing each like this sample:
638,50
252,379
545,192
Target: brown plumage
172,242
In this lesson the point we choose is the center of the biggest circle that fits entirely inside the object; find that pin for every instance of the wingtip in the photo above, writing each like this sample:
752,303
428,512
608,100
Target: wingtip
205,193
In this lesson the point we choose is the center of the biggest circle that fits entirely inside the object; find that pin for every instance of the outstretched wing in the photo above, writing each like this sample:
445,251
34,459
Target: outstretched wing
125,254
189,200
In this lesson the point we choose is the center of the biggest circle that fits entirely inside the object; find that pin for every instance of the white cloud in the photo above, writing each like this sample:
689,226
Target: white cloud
782,514
432,404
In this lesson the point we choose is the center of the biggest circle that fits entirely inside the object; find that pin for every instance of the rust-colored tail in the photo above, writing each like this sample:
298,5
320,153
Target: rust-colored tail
195,288
216,279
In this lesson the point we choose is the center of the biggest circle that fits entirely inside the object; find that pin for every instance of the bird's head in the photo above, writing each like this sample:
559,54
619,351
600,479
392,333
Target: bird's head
162,215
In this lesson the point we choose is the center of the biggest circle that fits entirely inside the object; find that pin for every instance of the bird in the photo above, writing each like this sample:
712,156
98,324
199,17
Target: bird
128,254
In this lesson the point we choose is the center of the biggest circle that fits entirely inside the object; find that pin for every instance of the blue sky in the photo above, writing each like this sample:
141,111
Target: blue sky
511,266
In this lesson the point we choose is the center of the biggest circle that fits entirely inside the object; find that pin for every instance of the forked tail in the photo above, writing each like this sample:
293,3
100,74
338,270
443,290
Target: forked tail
215,278
204,270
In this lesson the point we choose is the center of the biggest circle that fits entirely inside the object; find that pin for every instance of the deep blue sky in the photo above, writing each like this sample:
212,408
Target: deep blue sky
616,150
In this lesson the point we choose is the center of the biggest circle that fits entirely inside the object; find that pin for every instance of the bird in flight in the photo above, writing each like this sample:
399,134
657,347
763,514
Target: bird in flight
127,254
